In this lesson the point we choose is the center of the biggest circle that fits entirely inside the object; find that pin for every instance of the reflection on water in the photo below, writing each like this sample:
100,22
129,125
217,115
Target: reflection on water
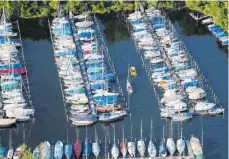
34,29
50,122
115,30
190,27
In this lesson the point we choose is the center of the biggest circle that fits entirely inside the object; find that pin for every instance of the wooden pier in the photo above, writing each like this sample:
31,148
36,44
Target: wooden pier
196,17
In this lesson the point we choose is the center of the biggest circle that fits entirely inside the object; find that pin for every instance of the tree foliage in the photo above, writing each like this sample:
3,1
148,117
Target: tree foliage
218,10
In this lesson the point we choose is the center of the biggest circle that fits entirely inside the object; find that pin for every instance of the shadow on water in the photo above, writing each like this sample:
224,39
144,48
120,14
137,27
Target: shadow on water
35,29
190,27
115,30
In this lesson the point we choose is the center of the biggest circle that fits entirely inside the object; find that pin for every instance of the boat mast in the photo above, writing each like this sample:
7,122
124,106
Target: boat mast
163,138
181,131
131,132
141,129
96,137
151,130
105,146
202,136
123,133
114,134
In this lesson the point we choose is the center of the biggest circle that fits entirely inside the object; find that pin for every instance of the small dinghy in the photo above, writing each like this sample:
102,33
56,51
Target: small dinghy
58,150
129,87
68,151
133,72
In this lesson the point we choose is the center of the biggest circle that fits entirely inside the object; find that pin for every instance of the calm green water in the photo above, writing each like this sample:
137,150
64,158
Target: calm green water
51,122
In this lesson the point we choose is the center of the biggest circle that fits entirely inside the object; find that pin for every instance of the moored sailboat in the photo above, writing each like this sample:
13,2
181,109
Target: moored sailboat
152,151
95,145
141,144
114,149
131,147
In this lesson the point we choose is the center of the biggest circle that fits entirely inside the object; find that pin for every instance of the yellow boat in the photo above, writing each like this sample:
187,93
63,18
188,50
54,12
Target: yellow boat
133,72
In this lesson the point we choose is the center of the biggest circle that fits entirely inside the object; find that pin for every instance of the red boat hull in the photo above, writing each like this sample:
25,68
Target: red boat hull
77,149
20,70
105,109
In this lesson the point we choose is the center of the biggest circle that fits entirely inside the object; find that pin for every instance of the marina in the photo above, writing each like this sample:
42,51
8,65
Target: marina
61,118
185,82
16,105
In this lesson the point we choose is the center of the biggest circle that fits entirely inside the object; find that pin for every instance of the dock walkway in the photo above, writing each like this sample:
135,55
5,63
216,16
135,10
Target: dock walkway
198,18
83,69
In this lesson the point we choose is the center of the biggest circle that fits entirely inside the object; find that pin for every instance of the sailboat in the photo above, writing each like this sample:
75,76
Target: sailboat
162,148
122,145
87,147
77,147
129,88
114,149
141,144
170,144
112,116
36,153
151,147
58,150
131,145
95,145
180,143
68,151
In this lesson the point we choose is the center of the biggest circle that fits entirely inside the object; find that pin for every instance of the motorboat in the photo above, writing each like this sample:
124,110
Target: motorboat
7,122
83,120
182,116
112,116
203,105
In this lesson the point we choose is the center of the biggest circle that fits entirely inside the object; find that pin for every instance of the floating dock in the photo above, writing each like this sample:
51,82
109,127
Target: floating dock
198,18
